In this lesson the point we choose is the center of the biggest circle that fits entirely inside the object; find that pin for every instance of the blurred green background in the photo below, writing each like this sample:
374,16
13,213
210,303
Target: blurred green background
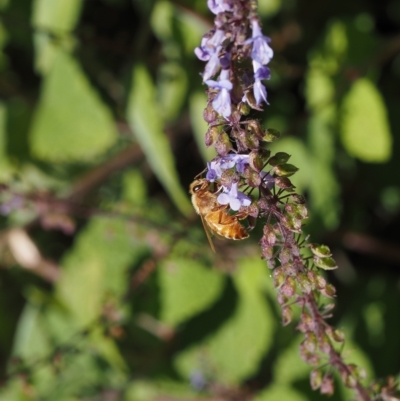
108,288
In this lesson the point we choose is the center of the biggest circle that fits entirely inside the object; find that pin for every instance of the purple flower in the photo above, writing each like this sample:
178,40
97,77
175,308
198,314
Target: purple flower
260,93
209,51
214,171
233,197
261,51
217,167
219,6
260,72
267,179
222,102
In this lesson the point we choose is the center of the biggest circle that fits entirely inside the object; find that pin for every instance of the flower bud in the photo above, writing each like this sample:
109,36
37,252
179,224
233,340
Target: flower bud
285,170
321,251
254,126
271,134
299,199
284,255
291,224
279,158
327,386
223,144
325,263
288,287
279,277
253,178
315,379
287,315
209,114
283,182
329,291
256,160
211,135
244,109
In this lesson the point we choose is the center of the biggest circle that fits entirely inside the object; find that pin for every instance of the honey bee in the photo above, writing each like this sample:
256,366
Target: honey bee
215,217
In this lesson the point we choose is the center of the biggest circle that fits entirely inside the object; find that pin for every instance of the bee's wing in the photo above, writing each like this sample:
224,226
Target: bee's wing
207,230
225,225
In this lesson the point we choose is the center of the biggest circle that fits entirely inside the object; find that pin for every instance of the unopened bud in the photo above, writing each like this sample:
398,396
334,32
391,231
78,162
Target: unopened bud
285,170
223,145
279,158
271,134
209,114
211,135
315,379
244,109
325,263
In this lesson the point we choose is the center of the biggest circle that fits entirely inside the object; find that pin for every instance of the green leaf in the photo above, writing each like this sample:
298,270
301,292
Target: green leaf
365,130
320,90
56,15
289,367
187,287
97,266
237,348
31,338
145,121
278,392
197,103
172,87
59,18
71,123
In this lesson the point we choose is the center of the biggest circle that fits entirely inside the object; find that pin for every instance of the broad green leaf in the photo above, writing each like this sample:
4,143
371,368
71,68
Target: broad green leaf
324,193
172,87
177,28
3,133
14,390
141,390
278,392
145,121
236,349
71,123
365,130
31,339
97,267
197,103
330,54
3,42
324,188
53,18
289,367
187,287
134,187
320,90
56,15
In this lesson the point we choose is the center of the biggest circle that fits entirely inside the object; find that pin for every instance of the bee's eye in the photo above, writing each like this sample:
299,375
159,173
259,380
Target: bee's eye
196,188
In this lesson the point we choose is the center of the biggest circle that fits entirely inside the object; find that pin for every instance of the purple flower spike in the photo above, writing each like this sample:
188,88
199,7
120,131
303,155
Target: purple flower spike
222,102
260,93
234,198
261,51
214,171
211,67
219,6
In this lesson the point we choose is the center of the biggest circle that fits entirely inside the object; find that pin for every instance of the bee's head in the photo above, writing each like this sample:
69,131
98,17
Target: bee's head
198,185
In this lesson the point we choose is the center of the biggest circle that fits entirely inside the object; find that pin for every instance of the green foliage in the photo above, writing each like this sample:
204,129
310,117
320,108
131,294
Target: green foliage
146,124
74,126
187,288
369,139
235,350
102,131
